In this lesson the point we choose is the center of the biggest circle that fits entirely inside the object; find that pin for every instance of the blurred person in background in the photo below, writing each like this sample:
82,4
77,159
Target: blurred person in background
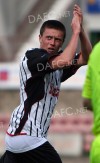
41,72
91,99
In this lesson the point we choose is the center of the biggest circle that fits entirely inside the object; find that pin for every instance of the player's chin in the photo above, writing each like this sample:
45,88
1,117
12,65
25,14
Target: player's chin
52,52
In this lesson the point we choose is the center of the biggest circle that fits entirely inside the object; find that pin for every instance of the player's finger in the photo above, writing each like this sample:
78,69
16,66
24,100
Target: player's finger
75,13
79,13
77,8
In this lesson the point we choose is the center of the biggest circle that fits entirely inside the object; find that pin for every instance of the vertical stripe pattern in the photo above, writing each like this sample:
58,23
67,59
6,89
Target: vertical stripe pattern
38,96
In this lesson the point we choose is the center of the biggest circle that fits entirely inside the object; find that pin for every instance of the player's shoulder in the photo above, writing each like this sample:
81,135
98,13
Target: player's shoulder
95,53
97,45
31,51
35,52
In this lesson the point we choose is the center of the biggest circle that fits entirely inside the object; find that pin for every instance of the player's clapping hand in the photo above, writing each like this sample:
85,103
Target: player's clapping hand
76,21
78,10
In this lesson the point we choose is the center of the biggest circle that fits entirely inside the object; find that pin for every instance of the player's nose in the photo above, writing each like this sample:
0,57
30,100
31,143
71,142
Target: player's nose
52,42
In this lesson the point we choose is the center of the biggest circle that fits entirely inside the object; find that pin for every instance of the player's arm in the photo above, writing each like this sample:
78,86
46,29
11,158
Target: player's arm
86,46
66,57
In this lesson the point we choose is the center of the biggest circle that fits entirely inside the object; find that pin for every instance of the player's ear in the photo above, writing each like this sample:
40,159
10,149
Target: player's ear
40,38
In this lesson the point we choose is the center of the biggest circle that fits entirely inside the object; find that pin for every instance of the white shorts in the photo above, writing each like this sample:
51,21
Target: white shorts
22,143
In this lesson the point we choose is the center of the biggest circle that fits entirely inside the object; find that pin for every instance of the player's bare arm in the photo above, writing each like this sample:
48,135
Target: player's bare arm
86,46
68,54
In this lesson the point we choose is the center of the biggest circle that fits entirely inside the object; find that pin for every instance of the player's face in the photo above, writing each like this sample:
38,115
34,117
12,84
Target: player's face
51,40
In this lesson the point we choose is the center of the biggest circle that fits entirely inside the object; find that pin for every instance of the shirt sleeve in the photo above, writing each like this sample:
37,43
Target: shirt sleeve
87,89
37,61
70,70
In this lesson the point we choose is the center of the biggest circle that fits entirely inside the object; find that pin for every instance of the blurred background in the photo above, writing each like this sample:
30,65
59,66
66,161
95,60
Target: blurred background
20,21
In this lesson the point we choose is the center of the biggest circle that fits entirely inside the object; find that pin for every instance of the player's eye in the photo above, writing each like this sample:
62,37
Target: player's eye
58,39
49,37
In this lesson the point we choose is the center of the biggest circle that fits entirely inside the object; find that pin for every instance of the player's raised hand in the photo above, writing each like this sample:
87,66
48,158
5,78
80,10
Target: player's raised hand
75,24
78,10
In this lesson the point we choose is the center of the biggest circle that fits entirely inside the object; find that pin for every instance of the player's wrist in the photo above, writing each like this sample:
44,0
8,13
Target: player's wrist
76,33
82,29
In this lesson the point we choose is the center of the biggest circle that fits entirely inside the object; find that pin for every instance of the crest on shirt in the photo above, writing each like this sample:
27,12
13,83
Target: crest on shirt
54,90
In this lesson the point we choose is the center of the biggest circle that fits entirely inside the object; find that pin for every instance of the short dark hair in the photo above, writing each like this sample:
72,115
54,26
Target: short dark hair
55,24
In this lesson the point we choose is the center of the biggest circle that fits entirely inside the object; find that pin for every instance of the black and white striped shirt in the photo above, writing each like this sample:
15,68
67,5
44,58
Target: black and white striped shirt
39,90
